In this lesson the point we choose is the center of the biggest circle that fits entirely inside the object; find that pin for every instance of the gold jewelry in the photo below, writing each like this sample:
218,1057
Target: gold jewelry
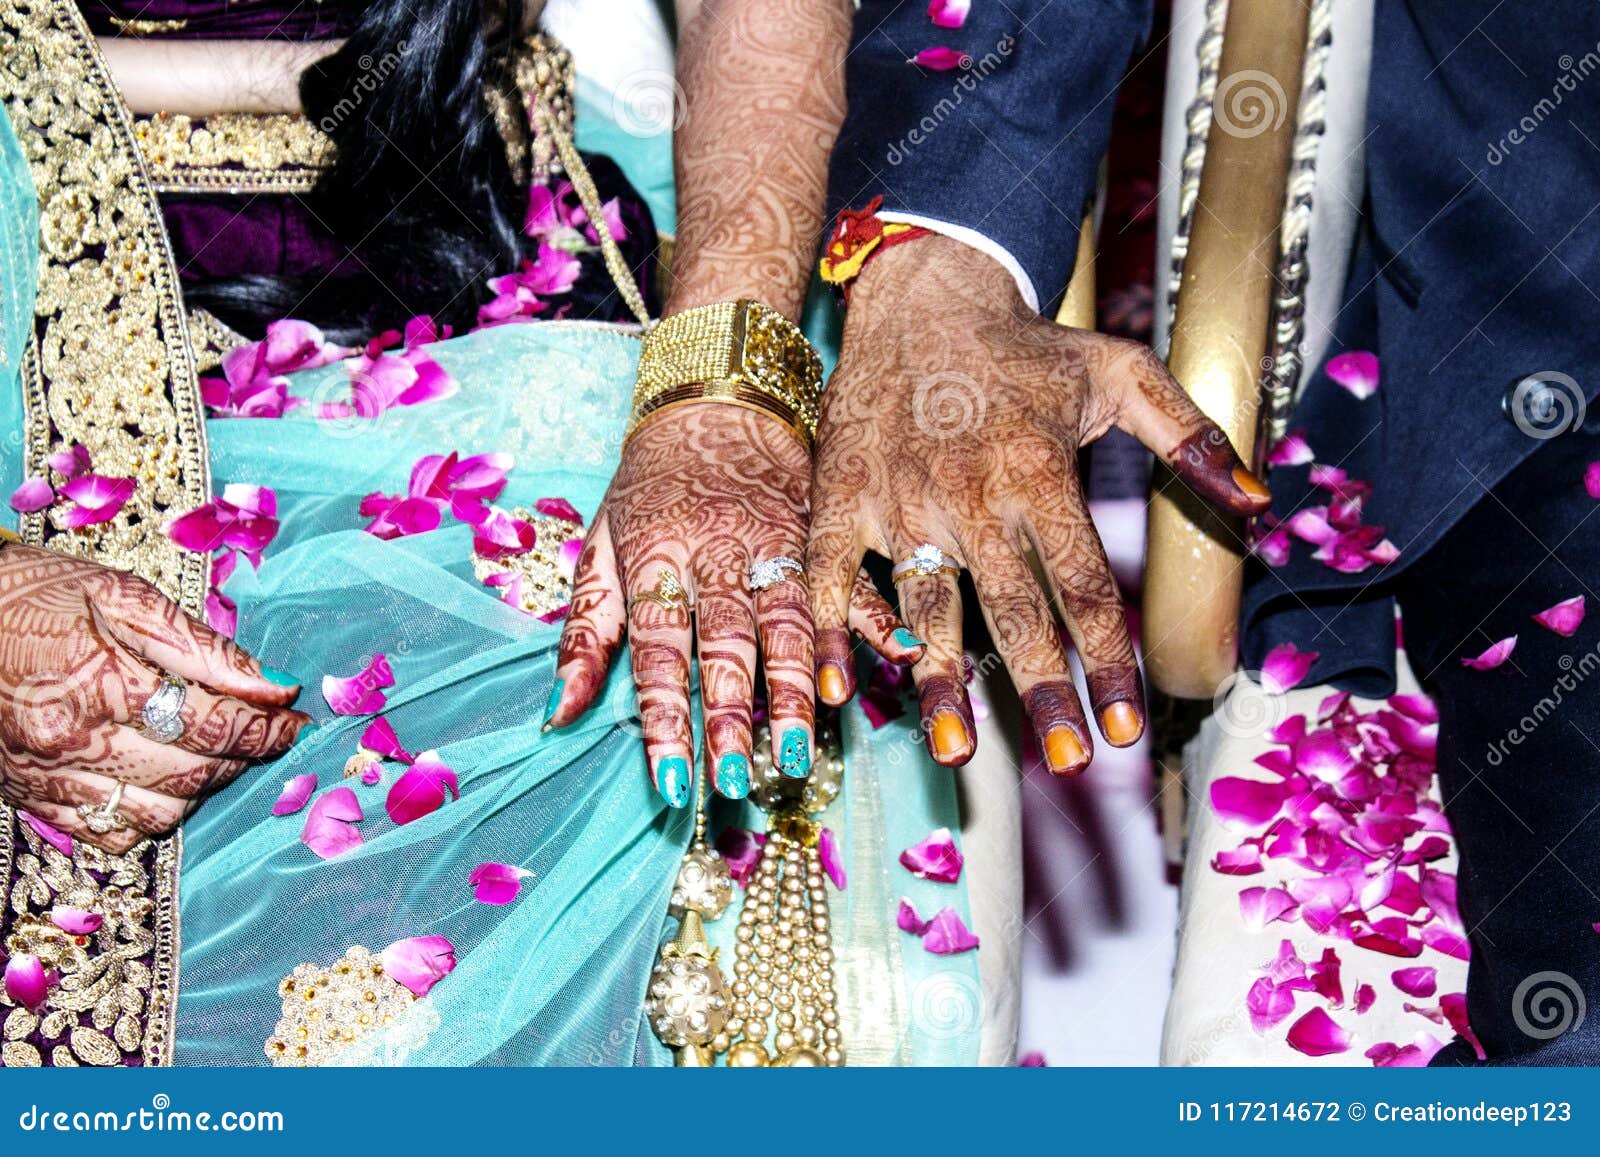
105,818
668,592
734,351
8,535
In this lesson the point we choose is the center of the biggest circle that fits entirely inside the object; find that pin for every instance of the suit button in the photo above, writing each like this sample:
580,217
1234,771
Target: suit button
1545,404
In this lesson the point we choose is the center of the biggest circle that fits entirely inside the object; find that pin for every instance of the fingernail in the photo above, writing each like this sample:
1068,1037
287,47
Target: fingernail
553,704
733,775
281,678
1120,723
906,639
794,756
672,780
1249,483
307,732
950,738
1062,751
830,684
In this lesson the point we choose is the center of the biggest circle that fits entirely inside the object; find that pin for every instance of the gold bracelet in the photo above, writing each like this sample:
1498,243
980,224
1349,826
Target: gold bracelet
734,351
8,536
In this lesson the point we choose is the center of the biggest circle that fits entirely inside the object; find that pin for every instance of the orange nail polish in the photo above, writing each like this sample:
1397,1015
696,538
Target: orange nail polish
950,736
830,683
1249,483
1120,724
1062,751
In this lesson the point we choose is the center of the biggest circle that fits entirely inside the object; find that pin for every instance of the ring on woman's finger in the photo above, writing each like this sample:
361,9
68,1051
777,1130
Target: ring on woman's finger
103,819
769,572
668,592
162,716
925,559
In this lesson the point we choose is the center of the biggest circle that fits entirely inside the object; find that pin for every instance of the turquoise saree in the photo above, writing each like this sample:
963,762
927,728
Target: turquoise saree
558,975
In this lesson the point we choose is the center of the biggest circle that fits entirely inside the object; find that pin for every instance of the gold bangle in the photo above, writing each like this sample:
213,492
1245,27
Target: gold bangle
734,393
8,535
733,351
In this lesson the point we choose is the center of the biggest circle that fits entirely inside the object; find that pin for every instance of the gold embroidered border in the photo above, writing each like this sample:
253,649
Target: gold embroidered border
232,152
109,366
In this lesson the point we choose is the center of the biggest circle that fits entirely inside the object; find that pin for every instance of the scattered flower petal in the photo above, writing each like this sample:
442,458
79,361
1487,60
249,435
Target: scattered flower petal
329,829
76,921
422,789
1259,907
1564,618
360,694
380,739
936,858
1494,656
95,499
908,920
832,861
948,934
1292,450
26,982
1419,981
1356,371
1316,1034
296,794
939,59
33,495
497,883
741,849
949,13
1285,668
57,839
419,962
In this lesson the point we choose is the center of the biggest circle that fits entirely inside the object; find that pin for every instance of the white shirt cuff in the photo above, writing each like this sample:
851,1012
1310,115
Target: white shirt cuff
977,241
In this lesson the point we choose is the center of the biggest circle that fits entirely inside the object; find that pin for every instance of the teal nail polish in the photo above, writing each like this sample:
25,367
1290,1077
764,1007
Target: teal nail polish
281,678
672,780
733,775
307,732
554,702
794,756
906,639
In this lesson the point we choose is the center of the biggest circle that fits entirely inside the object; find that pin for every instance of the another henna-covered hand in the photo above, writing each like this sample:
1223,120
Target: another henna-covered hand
954,418
81,650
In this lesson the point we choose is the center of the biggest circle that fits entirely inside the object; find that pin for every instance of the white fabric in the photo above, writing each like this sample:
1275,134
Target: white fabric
982,244
1219,958
1341,164
620,44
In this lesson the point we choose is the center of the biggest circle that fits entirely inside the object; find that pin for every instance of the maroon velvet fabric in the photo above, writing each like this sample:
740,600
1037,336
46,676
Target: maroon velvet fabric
221,236
229,19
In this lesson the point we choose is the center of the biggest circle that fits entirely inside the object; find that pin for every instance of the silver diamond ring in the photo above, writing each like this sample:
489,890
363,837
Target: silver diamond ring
769,572
926,559
163,711
105,818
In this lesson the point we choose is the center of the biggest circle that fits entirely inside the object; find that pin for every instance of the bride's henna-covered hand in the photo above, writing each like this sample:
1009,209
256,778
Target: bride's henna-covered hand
702,492
955,417
81,650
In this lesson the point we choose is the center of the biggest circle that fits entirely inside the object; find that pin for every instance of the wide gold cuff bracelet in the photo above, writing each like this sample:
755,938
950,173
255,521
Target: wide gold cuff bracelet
739,352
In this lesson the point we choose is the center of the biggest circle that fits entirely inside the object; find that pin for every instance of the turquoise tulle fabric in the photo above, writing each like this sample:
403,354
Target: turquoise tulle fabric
559,975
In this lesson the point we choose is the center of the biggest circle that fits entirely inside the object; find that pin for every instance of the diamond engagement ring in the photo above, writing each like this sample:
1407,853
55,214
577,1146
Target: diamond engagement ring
925,560
668,592
105,818
769,572
162,716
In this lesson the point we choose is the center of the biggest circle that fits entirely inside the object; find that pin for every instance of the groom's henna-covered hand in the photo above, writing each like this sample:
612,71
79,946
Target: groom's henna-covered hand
82,648
955,418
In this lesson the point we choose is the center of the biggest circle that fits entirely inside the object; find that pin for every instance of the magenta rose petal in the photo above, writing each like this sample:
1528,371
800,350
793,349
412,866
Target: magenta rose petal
1291,450
379,737
95,499
296,794
828,853
1591,479
741,849
422,790
559,508
907,920
939,58
360,694
497,883
949,13
1316,1034
1420,981
33,495
1493,657
1259,907
948,934
56,838
419,962
1268,1004
1356,371
1285,667
1564,618
26,982
936,858
76,921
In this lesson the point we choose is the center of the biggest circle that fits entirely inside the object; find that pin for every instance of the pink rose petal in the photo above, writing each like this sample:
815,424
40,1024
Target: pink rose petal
1246,801
1387,1055
95,499
58,840
1452,944
329,829
1033,1060
1291,450
296,794
71,462
936,858
948,934
26,982
907,919
76,921
1259,907
33,495
741,849
422,790
1285,667
939,59
558,508
949,13
828,853
1454,1007
1564,618
360,694
1268,1003
1316,1034
1591,479
379,738
1356,371
1494,656
419,962
1419,981
497,883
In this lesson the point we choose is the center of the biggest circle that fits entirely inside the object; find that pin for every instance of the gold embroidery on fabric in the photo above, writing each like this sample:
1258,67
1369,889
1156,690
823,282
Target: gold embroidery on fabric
543,587
326,1010
540,67
149,27
232,152
213,340
108,366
